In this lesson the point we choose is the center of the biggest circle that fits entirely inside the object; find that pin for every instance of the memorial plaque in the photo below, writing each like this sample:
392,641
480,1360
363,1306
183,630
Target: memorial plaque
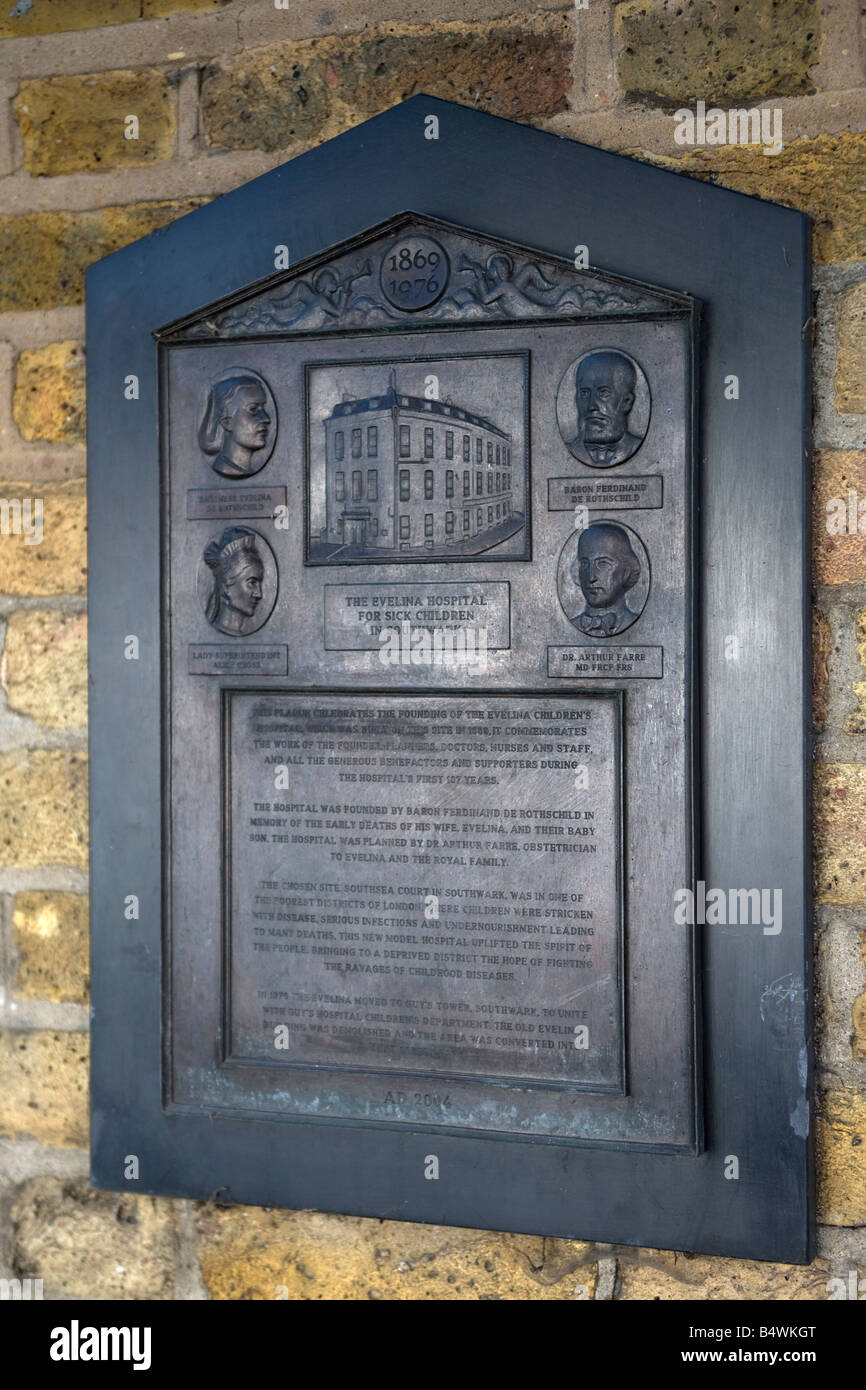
432,886
435,751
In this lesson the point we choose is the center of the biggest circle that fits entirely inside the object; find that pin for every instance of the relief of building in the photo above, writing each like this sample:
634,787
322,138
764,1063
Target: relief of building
407,474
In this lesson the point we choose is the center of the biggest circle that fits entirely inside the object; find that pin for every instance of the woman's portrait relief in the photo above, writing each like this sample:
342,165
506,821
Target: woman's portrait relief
238,581
239,426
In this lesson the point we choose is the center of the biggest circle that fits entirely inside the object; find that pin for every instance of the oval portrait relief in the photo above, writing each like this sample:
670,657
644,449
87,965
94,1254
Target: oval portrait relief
239,424
237,581
603,578
603,407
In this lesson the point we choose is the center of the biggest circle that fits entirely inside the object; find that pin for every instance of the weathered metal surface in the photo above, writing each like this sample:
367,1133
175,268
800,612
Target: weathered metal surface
409,443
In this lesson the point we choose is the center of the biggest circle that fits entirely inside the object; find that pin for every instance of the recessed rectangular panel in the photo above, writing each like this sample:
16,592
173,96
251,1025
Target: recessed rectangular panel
426,460
416,897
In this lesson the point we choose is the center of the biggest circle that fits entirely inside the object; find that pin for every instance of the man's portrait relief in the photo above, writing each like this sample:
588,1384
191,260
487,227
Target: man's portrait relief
239,425
237,581
603,408
603,579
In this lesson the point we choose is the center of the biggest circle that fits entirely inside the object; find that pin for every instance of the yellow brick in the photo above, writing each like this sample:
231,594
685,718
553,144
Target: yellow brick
43,255
43,809
161,9
840,832
56,564
70,124
855,720
62,16
824,176
842,1158
673,53
44,1091
54,16
51,939
851,351
838,557
49,400
858,1017
671,1277
45,671
822,646
99,1245
308,90
246,1253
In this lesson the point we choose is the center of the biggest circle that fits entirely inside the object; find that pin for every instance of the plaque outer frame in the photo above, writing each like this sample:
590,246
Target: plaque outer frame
748,262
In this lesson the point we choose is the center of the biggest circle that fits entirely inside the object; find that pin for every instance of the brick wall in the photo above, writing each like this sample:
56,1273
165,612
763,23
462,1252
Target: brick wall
223,90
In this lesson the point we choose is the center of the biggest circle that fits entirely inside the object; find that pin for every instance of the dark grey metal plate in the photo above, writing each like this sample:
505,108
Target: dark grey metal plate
627,1170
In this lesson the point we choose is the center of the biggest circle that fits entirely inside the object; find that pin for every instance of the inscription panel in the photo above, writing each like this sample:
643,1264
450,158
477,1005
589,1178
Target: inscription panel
214,503
356,615
617,662
254,659
436,889
610,494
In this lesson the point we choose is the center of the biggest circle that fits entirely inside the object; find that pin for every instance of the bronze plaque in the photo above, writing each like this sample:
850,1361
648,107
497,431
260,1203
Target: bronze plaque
452,903
427,566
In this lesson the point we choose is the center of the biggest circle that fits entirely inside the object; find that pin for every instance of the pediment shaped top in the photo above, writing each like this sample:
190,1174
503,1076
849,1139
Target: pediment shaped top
416,270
